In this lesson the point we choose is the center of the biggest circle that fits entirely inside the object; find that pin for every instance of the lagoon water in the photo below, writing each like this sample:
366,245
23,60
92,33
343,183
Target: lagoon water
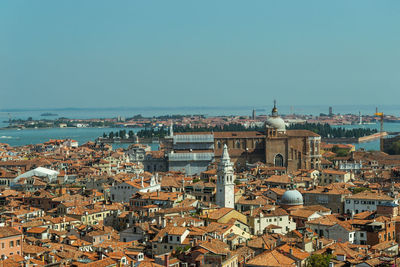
36,136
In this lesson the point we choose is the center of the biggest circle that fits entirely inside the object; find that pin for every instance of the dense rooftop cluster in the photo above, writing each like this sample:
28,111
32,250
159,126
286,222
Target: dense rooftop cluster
62,204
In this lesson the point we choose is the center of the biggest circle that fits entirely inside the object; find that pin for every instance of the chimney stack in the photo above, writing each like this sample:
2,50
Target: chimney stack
166,260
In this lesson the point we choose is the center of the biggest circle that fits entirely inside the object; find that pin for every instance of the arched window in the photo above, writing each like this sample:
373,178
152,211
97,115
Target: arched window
279,160
219,145
237,145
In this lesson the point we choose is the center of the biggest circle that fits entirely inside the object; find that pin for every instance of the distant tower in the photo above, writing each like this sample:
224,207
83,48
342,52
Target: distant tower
330,111
360,117
274,112
171,130
253,116
225,181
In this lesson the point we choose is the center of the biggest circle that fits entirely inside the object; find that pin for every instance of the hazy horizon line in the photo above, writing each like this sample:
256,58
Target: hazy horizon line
189,107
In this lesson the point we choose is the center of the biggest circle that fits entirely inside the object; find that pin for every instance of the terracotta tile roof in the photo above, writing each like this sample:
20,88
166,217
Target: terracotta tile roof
335,172
294,252
302,213
37,230
266,241
332,189
215,246
301,133
281,179
271,258
7,231
177,230
218,214
239,134
328,220
370,195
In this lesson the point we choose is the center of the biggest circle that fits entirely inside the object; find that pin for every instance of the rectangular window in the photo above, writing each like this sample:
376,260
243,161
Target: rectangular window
11,244
18,243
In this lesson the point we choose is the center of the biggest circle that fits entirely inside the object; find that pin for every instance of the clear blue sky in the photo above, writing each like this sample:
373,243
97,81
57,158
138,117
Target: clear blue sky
95,53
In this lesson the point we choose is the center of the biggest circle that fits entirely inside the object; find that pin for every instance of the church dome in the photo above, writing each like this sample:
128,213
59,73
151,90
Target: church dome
292,198
276,123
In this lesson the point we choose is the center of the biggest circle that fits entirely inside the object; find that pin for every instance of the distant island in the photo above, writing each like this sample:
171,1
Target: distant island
47,114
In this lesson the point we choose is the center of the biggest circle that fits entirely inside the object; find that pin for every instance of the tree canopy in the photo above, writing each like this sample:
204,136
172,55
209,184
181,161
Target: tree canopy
318,260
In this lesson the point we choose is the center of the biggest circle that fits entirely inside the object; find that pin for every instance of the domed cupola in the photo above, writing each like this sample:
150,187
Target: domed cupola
275,121
291,198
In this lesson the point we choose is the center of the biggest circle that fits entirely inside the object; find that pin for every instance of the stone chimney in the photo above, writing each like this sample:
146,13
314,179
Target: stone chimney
166,260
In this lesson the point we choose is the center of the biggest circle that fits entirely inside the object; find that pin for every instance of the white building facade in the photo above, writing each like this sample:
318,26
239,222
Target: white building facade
122,192
366,201
225,195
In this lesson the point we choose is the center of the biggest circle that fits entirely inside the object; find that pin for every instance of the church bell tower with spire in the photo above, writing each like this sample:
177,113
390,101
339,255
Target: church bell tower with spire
225,196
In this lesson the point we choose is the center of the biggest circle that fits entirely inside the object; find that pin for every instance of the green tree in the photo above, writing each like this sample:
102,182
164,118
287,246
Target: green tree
394,148
111,135
122,134
340,152
318,260
359,190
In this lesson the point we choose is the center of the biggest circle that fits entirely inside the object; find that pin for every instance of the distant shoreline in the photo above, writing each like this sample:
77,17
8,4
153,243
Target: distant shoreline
41,128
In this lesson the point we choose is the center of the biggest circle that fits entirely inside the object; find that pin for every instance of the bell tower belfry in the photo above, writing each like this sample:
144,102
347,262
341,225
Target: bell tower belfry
225,196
